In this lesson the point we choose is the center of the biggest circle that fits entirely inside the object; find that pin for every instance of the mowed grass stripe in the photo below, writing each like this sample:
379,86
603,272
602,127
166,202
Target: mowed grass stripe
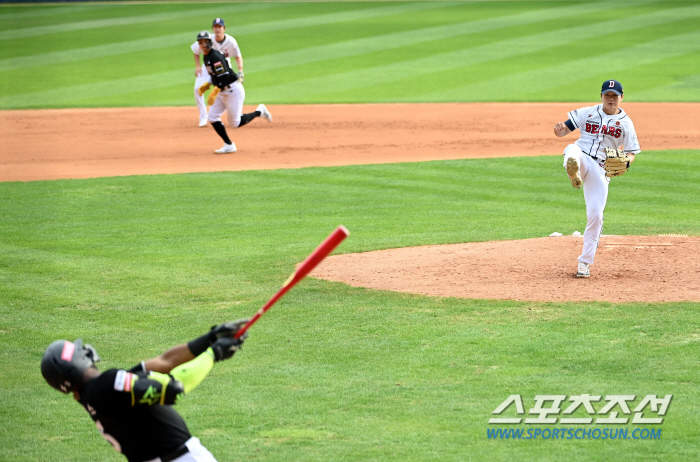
521,85
161,42
413,37
326,61
36,32
74,94
356,79
51,11
327,86
305,55
99,51
685,89
323,19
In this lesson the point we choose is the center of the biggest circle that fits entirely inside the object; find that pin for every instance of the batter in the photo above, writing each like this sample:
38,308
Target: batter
132,409
602,126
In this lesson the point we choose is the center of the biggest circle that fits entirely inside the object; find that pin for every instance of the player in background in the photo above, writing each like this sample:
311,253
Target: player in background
227,45
201,78
229,94
132,408
602,126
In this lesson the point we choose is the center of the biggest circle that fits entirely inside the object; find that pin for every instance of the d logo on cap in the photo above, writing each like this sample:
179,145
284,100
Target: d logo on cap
613,86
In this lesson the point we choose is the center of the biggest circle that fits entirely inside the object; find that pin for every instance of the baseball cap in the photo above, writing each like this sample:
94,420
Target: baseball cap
218,22
613,86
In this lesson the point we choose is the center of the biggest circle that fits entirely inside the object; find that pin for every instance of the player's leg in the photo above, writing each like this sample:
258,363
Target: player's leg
199,99
235,106
236,117
215,112
595,192
572,164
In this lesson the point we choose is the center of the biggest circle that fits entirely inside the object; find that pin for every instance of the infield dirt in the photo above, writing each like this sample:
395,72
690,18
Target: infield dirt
627,269
86,143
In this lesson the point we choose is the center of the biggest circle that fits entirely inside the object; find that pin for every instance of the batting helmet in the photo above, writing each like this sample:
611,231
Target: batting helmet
64,364
204,35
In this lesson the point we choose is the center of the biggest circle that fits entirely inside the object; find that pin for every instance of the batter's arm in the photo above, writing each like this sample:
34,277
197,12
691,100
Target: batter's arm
180,354
169,360
561,129
167,388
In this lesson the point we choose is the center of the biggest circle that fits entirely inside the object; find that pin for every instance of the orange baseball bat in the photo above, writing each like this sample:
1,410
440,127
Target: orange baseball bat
310,263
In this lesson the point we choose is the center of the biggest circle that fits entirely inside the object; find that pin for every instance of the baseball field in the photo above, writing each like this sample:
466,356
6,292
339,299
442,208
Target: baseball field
416,125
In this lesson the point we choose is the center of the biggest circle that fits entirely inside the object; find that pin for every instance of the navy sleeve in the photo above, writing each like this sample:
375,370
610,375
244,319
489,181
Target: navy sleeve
570,125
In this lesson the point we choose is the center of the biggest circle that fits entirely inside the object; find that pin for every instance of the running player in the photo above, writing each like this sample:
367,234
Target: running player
230,94
228,46
132,408
602,126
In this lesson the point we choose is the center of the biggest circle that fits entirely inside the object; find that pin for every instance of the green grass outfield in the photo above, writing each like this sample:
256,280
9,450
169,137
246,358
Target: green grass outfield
134,265
353,52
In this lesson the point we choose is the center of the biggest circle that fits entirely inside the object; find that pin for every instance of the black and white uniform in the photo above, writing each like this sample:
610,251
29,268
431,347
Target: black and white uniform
141,429
229,48
232,93
598,131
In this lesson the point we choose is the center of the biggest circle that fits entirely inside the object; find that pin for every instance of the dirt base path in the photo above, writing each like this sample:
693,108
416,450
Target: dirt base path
85,143
627,269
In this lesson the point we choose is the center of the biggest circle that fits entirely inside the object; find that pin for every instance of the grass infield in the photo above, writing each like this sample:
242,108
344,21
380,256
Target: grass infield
136,264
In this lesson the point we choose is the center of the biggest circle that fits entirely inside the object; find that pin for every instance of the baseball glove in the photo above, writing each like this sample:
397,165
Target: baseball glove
212,95
616,162
203,88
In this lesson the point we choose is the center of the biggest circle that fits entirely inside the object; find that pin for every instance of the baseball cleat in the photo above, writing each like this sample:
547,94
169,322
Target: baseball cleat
264,113
203,122
583,270
226,149
572,170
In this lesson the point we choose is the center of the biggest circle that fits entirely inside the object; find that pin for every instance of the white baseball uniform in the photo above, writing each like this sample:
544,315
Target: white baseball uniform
598,131
196,453
199,81
229,48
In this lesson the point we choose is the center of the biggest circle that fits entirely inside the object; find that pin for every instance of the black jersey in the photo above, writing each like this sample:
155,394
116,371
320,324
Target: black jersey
218,68
141,431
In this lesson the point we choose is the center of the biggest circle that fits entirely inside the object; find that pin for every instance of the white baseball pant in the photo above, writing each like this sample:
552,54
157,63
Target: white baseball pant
197,453
231,101
595,192
201,104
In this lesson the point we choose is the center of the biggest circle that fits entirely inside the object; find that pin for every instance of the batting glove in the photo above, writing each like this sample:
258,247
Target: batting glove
225,347
227,329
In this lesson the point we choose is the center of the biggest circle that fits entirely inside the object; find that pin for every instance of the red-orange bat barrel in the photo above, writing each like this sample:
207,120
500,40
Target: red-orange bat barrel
305,268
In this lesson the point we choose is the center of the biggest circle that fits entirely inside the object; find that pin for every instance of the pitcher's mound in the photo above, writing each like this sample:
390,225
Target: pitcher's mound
627,268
